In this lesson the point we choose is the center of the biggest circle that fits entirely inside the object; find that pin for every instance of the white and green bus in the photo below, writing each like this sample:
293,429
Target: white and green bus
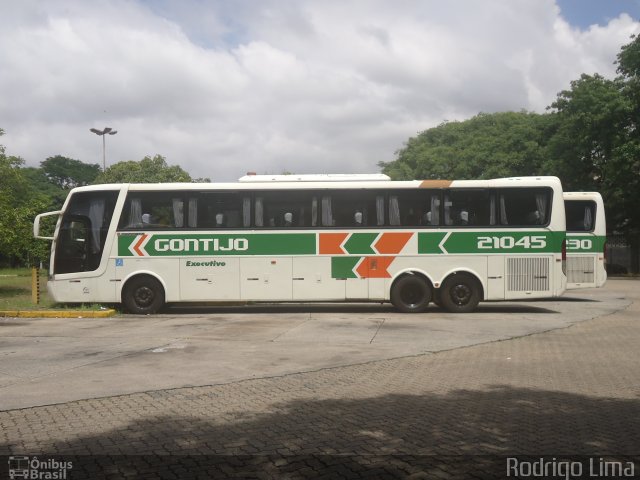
586,239
327,238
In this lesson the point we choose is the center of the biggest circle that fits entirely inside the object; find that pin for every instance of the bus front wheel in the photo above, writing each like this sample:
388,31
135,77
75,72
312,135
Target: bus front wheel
143,295
411,294
460,293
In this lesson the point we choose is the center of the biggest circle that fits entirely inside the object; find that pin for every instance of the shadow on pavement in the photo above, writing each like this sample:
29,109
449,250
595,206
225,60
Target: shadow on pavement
282,308
497,307
370,308
575,299
392,436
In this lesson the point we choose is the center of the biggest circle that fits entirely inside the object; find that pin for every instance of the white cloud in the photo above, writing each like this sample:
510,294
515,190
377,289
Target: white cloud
225,87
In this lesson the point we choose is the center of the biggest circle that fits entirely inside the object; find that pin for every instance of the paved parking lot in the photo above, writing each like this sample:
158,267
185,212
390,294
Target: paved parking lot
353,391
53,360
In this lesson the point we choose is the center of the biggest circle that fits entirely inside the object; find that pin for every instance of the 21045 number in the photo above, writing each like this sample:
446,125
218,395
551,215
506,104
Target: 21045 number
530,241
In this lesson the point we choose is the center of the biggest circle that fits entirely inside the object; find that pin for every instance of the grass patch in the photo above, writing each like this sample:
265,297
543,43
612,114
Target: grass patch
15,292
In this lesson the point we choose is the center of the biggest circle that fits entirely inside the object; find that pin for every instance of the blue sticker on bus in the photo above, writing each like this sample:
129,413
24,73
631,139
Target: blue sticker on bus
119,262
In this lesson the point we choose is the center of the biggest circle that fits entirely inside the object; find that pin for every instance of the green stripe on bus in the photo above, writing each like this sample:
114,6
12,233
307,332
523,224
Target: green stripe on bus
585,243
360,243
457,242
342,267
440,242
160,245
429,243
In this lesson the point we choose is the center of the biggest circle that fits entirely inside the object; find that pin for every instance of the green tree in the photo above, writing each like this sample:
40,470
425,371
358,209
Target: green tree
19,204
587,119
147,170
68,173
627,153
596,141
485,146
39,182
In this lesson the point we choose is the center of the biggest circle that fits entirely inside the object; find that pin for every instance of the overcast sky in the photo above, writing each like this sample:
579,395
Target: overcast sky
306,86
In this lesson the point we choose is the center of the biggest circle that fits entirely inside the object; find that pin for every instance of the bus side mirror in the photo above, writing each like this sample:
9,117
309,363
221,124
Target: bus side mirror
36,224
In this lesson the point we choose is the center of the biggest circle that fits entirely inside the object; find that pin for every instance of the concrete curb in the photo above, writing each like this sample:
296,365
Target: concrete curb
58,313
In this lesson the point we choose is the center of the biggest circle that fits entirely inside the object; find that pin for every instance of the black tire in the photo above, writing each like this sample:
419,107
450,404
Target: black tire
460,293
143,295
411,294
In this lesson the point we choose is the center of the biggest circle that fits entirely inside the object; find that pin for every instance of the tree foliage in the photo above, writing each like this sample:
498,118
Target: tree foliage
587,147
148,170
19,203
39,182
587,118
485,146
68,173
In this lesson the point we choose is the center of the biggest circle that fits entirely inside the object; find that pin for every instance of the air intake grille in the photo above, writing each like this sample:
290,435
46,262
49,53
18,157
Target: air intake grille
528,274
580,269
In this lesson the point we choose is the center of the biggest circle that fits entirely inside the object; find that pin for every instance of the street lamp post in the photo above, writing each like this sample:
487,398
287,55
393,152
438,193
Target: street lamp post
103,133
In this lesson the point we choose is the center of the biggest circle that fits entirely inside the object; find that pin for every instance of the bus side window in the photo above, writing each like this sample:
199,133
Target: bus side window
433,215
469,207
364,210
216,210
285,209
161,211
413,208
192,221
394,210
524,207
327,211
447,211
136,217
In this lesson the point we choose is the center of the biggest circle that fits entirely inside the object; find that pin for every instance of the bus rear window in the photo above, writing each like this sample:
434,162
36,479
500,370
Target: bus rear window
580,215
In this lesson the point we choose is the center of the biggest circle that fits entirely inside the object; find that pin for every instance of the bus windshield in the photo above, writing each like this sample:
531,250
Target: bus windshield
83,231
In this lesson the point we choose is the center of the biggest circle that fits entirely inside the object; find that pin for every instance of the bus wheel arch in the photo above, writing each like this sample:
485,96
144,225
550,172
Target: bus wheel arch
460,292
143,294
411,292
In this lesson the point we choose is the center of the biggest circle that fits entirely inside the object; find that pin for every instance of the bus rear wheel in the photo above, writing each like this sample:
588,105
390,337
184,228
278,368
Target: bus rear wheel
411,294
460,293
143,295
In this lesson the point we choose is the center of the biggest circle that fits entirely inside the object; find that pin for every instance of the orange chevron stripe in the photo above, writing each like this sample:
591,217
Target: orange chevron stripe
330,243
375,267
136,247
392,243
